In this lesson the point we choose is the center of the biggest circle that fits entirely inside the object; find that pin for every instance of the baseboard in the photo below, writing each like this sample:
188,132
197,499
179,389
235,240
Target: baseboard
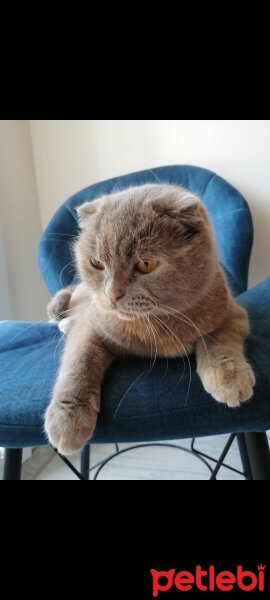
37,462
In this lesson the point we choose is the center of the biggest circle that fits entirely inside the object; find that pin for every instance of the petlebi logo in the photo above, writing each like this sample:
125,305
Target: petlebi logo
209,579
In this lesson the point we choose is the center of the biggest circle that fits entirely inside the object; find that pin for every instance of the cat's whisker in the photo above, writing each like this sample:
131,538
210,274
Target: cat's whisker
167,363
183,347
54,331
46,320
146,371
63,270
187,320
83,304
43,241
144,335
55,334
202,336
63,241
71,248
57,346
150,332
168,332
152,329
165,354
128,390
61,234
150,338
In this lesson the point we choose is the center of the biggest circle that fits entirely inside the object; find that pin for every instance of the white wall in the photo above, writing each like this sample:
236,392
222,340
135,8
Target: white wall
65,161
5,304
72,154
23,293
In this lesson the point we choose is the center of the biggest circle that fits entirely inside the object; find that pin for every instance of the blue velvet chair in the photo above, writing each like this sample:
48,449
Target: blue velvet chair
153,407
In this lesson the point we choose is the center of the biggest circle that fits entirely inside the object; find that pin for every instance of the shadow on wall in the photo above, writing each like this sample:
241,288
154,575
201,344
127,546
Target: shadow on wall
20,224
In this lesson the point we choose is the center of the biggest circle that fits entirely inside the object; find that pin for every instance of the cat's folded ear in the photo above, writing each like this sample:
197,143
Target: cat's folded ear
85,211
184,210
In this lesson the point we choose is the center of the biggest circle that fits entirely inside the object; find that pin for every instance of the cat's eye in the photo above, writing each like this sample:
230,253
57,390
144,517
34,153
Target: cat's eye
146,266
97,264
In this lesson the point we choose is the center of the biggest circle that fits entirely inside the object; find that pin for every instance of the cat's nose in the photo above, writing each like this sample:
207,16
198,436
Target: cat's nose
115,297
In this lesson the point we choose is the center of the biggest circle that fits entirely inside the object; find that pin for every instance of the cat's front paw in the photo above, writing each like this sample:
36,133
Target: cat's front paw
65,325
231,382
69,424
59,304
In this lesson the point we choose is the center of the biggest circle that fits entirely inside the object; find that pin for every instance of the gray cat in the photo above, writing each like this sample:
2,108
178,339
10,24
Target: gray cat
151,284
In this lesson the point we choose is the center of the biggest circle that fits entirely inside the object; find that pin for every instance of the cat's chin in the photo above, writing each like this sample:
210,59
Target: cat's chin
110,310
125,316
120,314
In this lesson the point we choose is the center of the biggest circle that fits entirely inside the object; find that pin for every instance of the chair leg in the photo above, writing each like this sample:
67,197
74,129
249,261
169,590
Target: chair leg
242,445
85,461
12,464
259,455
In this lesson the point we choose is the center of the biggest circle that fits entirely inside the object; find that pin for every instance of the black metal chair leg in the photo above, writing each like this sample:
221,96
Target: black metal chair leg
242,445
12,464
222,456
259,455
85,462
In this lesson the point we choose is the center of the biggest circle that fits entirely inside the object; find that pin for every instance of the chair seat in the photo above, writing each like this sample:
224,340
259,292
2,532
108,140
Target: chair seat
139,402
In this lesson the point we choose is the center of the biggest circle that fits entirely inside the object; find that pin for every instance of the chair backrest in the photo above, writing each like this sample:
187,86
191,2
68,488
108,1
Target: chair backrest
228,212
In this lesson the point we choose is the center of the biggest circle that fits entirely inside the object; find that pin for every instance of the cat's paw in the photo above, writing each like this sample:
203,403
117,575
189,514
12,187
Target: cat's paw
59,305
65,325
231,383
69,424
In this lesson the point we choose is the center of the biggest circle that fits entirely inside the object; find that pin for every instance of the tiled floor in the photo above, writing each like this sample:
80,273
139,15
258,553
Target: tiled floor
153,463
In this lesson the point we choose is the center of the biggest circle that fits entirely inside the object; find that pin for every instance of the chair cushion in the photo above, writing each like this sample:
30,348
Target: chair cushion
227,209
137,403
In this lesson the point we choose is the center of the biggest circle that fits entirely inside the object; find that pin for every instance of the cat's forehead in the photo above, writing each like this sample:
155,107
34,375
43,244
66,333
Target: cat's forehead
125,238
122,225
124,208
145,219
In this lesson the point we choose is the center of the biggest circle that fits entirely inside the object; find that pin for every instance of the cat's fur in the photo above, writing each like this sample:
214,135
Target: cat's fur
183,305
